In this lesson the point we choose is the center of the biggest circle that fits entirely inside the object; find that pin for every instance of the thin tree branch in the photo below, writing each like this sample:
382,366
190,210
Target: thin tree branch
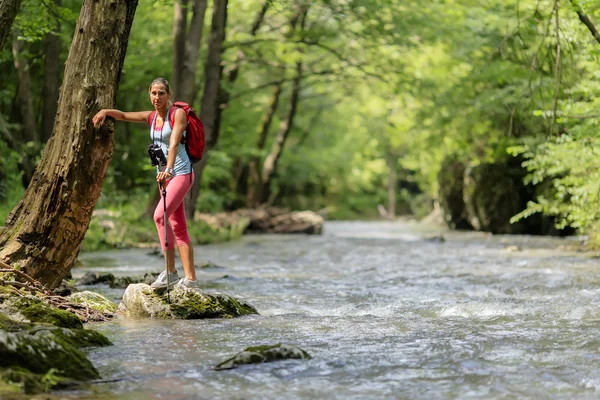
246,43
557,68
586,21
590,116
8,268
534,59
341,57
260,17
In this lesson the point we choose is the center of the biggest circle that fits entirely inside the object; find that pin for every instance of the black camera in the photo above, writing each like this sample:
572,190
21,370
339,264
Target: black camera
157,157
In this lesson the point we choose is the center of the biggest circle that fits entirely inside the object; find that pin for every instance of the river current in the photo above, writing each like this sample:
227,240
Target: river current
387,310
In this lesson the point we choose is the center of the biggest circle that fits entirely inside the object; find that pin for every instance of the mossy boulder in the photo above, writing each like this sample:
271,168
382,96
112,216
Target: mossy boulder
141,301
494,192
93,300
262,354
20,384
450,193
39,348
33,309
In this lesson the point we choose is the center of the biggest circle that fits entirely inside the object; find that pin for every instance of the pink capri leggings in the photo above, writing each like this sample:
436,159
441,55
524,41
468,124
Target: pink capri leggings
177,188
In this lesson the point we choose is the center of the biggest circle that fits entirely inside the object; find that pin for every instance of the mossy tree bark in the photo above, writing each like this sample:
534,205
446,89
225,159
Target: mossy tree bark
8,12
43,233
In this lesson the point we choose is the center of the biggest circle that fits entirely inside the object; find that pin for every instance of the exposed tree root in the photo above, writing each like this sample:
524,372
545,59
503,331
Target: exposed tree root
32,286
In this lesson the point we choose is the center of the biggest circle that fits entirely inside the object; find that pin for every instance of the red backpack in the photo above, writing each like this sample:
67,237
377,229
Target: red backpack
194,132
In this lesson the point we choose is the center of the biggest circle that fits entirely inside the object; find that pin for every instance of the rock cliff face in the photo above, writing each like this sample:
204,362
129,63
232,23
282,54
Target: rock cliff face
450,195
141,301
485,197
493,194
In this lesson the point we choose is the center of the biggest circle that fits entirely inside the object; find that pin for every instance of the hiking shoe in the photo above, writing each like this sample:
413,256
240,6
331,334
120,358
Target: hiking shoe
165,279
188,284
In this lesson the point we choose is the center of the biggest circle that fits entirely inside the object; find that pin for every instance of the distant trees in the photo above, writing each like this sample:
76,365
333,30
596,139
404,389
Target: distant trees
338,105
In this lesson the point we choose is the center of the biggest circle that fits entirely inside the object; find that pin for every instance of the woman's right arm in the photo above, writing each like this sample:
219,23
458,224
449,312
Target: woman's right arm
139,116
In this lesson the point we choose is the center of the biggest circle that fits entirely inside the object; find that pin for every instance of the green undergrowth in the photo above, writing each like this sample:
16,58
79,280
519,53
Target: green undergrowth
126,226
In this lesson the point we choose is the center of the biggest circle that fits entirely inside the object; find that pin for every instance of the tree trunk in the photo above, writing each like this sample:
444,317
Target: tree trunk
187,90
254,167
240,184
25,98
51,81
271,161
233,72
185,57
8,12
392,177
152,203
179,34
44,231
210,99
241,177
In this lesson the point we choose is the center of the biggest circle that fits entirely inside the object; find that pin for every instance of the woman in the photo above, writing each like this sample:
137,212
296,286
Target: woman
177,175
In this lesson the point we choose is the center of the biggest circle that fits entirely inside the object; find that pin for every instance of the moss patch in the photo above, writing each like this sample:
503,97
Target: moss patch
83,337
262,354
139,300
38,357
36,311
94,300
188,304
15,383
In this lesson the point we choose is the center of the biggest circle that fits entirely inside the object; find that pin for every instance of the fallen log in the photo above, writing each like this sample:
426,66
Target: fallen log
269,220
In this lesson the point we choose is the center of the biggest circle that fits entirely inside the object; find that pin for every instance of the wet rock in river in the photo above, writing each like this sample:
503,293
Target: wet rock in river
36,357
91,278
140,300
65,288
94,301
33,309
262,354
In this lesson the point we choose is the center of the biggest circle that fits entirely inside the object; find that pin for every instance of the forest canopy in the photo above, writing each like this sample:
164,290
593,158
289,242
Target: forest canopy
340,105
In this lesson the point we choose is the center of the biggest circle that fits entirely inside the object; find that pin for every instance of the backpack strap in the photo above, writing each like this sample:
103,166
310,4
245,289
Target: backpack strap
151,117
171,113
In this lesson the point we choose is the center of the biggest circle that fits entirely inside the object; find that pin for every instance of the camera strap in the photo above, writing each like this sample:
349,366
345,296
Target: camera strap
161,128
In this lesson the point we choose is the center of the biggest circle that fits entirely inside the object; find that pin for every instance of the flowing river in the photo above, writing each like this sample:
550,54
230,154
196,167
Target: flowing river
388,310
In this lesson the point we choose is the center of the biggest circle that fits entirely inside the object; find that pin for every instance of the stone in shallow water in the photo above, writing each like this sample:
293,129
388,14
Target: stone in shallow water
30,353
33,309
141,301
93,300
262,354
